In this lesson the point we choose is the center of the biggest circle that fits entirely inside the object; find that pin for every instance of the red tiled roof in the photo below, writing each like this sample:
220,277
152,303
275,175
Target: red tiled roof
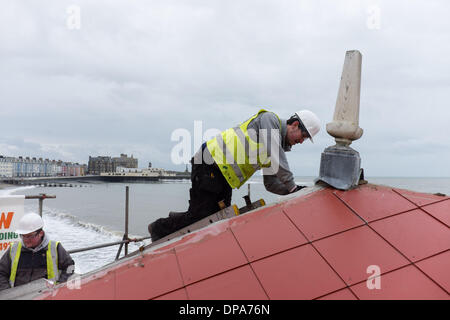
316,246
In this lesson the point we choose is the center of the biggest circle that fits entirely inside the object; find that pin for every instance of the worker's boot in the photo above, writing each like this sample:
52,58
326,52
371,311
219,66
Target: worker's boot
150,229
174,214
152,233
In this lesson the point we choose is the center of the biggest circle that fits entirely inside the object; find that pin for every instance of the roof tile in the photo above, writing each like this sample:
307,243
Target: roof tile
440,211
416,234
352,252
437,268
236,284
100,286
299,273
372,202
420,199
148,277
322,215
209,255
266,232
406,283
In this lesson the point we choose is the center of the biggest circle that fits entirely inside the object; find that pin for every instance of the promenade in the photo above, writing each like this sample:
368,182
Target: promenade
86,179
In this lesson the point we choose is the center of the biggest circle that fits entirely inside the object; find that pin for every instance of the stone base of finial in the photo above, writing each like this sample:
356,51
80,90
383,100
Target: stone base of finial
340,167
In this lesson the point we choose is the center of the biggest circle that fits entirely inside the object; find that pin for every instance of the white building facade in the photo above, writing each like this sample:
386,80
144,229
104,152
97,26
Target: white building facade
6,167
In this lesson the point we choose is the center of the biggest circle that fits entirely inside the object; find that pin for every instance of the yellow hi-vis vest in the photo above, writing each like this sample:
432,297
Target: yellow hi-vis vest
52,261
237,155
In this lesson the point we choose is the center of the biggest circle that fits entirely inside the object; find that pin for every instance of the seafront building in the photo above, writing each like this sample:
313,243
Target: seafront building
97,165
6,166
12,167
125,162
16,167
102,164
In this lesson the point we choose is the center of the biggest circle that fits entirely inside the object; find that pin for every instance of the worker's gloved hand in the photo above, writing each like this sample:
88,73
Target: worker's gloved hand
298,188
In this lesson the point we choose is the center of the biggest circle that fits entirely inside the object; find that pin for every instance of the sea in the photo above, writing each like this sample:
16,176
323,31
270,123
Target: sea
89,214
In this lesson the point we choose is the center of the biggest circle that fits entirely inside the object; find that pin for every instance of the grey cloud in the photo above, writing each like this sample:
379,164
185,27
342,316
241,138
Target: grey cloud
136,71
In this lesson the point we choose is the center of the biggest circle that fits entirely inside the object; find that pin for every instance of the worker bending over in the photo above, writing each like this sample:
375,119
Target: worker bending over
228,160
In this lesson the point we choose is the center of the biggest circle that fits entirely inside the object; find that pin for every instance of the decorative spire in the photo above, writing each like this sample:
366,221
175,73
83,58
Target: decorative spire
345,125
340,165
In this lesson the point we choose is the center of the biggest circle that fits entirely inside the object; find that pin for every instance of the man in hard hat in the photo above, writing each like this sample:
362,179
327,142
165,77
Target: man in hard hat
34,257
228,160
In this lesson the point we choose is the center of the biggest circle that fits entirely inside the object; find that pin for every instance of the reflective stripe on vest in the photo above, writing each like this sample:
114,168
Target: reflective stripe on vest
52,261
237,154
14,253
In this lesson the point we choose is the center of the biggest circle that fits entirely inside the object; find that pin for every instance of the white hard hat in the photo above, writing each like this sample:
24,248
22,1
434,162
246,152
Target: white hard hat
310,121
29,223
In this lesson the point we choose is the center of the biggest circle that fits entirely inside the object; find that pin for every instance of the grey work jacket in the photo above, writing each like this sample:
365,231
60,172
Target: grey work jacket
281,181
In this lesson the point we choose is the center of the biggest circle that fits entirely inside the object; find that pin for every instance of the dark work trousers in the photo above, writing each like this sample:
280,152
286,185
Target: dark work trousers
208,188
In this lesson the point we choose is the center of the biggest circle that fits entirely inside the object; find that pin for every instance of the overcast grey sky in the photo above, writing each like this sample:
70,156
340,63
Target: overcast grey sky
126,74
